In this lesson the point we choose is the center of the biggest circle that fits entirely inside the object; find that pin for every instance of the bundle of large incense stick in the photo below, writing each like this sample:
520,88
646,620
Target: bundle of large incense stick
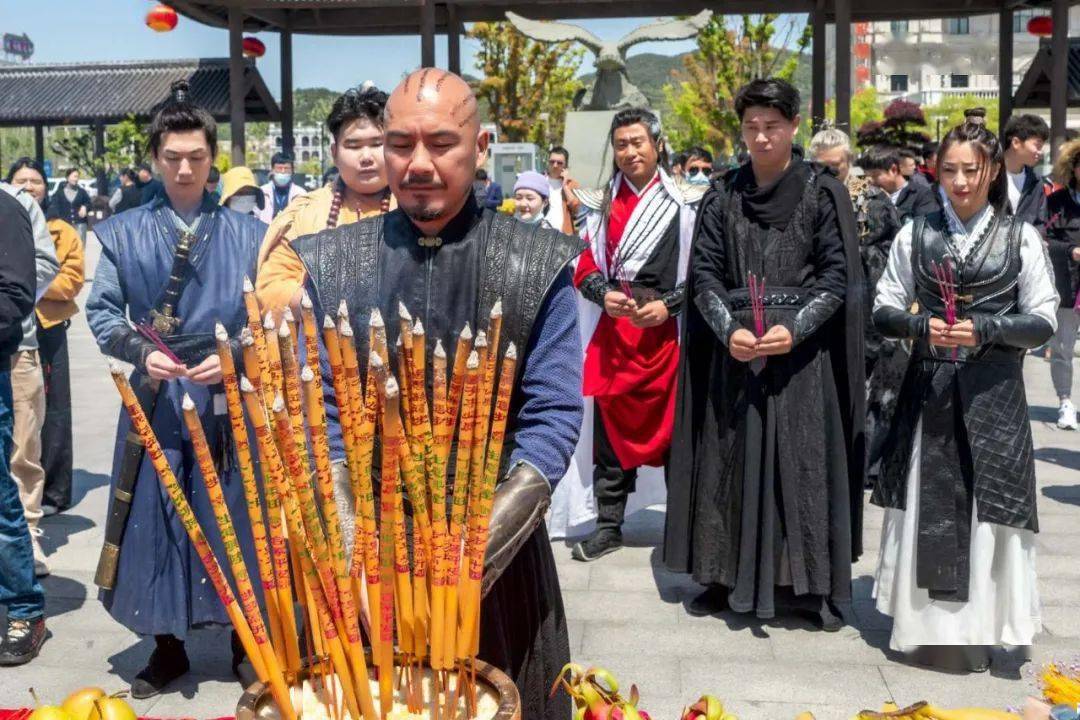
410,584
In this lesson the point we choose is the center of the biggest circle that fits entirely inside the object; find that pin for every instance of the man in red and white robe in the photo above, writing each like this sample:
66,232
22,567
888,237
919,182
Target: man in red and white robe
633,272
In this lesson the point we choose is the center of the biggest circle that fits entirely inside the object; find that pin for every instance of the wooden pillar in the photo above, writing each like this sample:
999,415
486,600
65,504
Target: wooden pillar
39,144
453,40
843,64
287,139
817,66
1059,75
427,34
236,86
99,154
1005,66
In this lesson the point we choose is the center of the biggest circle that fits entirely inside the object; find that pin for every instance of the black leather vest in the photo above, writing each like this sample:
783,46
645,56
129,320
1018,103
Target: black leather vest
987,278
486,257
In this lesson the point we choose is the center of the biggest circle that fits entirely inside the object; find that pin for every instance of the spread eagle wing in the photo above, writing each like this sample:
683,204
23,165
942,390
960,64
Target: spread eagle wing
666,30
553,32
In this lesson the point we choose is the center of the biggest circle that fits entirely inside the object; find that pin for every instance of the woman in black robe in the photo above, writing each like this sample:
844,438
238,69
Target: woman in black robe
764,496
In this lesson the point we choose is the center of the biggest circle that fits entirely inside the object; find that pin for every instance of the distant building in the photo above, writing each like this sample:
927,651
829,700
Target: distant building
926,61
311,144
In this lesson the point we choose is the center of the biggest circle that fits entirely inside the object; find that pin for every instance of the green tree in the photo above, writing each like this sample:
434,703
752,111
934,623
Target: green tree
527,86
865,107
76,146
126,144
950,112
728,55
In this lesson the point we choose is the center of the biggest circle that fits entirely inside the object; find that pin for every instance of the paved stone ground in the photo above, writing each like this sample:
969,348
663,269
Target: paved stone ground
625,611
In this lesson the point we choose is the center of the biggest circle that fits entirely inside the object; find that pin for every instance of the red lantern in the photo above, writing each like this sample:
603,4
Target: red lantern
862,28
161,18
862,74
253,47
862,50
1041,25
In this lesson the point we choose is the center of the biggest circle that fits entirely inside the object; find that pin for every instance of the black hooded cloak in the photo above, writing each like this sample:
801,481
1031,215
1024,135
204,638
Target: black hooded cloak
765,482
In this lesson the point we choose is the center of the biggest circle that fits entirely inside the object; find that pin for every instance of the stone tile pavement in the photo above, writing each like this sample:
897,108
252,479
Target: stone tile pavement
625,611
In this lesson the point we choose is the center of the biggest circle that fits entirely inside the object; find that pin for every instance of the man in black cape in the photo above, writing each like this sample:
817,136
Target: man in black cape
766,472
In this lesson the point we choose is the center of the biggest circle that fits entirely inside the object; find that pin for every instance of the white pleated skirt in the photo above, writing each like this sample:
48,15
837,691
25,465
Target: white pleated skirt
1003,604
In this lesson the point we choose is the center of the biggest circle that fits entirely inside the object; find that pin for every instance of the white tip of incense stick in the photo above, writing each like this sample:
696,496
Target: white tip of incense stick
397,343
418,328
305,301
481,339
248,287
374,360
328,323
376,320
439,351
343,309
403,312
268,323
279,404
474,360
245,384
220,332
284,330
345,328
115,367
246,338
511,351
496,309
466,332
307,374
187,403
287,315
391,388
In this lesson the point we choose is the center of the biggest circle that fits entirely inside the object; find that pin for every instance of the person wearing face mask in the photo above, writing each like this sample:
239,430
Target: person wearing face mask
766,476
632,277
956,569
361,190
280,190
698,167
531,192
240,192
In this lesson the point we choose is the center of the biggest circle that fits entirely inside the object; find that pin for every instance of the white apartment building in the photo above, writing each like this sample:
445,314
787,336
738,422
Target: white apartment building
927,60
311,143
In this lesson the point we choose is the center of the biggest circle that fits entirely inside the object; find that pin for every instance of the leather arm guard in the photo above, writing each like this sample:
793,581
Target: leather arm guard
1020,331
716,313
900,324
594,288
675,300
813,315
126,344
521,500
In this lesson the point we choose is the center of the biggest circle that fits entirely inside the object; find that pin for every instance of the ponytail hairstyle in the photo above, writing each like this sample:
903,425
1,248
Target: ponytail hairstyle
180,114
989,150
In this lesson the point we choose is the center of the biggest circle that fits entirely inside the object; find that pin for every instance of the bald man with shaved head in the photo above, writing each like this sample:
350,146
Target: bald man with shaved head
449,262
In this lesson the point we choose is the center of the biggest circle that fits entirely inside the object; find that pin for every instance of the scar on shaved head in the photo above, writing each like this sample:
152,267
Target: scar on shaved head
449,94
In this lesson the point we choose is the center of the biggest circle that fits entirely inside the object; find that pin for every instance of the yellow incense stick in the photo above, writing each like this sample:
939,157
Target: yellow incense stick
390,455
195,534
265,656
273,475
466,430
273,356
242,446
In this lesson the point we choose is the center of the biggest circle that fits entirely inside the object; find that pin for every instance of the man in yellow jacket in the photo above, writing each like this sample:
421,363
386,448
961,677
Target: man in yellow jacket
355,122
